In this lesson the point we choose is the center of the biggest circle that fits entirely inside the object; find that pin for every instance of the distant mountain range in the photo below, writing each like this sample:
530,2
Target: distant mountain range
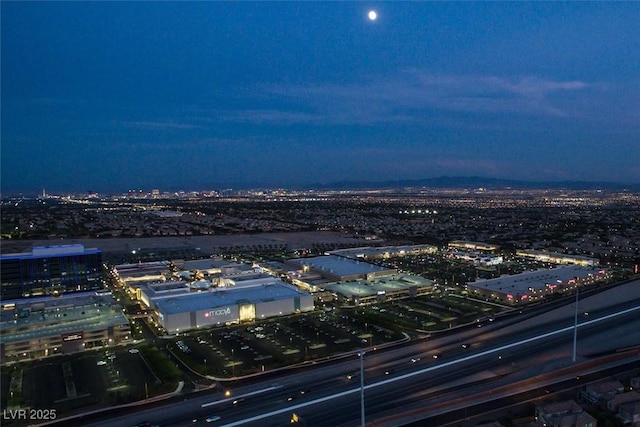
478,182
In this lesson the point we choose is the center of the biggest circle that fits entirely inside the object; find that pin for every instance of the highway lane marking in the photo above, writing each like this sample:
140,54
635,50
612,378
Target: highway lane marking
501,348
292,408
240,396
426,370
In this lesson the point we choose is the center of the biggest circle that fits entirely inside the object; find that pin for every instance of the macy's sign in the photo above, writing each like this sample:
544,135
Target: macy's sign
219,312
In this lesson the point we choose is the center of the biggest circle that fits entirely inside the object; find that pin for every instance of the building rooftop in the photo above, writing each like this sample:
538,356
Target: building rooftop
474,245
561,407
630,407
45,316
202,264
555,255
572,419
603,387
622,398
142,269
392,283
155,288
220,297
382,251
339,266
53,250
524,283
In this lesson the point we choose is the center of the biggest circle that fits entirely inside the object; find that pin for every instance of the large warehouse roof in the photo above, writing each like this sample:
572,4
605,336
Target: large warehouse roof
386,284
383,251
339,266
220,297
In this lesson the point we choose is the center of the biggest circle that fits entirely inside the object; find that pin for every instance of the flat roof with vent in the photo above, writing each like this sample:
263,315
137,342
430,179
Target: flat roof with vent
221,297
384,284
535,280
339,266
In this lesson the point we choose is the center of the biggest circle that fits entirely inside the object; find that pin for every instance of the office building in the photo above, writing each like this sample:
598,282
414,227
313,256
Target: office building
50,270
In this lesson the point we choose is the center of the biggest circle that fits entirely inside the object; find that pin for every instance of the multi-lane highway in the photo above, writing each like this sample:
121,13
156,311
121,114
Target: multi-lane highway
405,384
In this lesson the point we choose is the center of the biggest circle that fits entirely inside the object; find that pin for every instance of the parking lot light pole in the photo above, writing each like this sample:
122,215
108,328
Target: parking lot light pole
575,328
362,388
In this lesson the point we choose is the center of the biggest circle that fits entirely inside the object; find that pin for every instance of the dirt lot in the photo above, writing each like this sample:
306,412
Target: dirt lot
207,244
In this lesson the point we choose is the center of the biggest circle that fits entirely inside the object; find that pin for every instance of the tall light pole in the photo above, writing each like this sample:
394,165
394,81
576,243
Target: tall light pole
362,388
575,328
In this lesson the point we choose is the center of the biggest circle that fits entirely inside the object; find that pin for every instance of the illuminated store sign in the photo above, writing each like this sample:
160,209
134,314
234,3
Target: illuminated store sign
72,337
218,312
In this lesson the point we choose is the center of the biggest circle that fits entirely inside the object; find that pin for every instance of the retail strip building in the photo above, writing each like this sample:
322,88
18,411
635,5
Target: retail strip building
533,285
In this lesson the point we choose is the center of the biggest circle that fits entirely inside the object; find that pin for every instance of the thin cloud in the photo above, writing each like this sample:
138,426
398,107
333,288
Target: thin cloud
393,162
281,117
413,96
160,125
413,91
417,98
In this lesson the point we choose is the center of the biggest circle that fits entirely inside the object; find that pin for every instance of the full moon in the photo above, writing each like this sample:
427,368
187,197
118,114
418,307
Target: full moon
372,15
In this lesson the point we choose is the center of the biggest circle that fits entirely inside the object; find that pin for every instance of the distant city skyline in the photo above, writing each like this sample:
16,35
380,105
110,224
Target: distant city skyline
107,96
445,183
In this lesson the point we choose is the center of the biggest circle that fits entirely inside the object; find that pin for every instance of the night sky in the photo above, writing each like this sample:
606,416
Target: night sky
196,95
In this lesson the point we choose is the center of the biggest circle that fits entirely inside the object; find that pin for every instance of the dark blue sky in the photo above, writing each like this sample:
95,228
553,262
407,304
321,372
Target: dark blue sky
191,95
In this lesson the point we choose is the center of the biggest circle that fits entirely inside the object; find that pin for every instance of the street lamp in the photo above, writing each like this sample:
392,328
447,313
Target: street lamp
362,388
575,328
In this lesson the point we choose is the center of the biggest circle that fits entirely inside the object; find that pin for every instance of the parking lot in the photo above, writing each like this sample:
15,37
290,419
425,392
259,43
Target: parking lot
71,382
129,377
437,312
65,382
249,349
